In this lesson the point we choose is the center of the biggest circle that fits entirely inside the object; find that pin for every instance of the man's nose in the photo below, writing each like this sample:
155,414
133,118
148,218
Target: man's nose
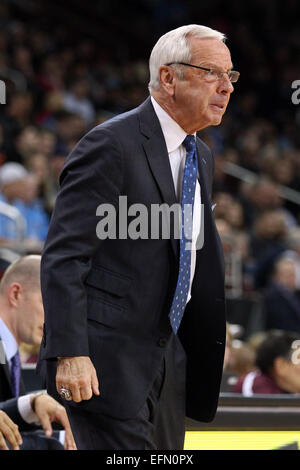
225,85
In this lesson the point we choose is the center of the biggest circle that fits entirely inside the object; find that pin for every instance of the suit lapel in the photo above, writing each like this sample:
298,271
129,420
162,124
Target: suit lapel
158,158
203,176
207,226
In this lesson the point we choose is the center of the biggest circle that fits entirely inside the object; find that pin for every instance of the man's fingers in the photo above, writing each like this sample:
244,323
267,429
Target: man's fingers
10,431
61,417
46,423
69,441
78,375
3,445
76,395
95,383
86,392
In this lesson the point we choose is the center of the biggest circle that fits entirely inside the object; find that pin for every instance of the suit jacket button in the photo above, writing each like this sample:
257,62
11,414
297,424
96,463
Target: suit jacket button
162,342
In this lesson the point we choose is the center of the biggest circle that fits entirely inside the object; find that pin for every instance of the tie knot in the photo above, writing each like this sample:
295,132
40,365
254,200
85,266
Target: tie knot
189,143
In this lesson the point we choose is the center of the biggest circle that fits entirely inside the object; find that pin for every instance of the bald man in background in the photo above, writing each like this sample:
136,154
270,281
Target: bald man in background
21,320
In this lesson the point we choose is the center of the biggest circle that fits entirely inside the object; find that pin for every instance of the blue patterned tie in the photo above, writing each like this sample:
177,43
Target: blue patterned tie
187,204
15,373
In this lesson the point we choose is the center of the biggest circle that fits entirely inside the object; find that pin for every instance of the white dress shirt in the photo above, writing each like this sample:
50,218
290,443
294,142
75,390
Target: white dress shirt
174,136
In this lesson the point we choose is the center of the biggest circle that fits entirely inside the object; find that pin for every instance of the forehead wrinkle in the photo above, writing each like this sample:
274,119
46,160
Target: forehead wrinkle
211,52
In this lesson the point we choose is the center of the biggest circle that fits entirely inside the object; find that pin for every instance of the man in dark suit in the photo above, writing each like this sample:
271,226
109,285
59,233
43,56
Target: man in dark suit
114,343
281,300
21,320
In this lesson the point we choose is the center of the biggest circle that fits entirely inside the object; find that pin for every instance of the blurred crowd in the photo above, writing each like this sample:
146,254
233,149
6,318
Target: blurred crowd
62,80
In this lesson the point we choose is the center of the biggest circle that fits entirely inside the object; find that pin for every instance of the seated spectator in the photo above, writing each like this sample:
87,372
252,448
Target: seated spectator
38,164
277,366
19,189
76,100
263,196
267,244
293,242
12,223
242,358
28,141
32,210
235,248
21,320
282,304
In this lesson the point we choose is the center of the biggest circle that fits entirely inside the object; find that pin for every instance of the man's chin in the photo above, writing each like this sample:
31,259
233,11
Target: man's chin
216,122
215,119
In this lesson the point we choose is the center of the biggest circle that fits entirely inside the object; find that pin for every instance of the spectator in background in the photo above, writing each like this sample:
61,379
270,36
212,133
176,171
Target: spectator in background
267,243
21,320
236,250
52,73
47,142
293,242
27,142
69,129
12,178
282,304
20,189
263,196
38,165
242,357
31,208
76,101
53,104
277,366
17,116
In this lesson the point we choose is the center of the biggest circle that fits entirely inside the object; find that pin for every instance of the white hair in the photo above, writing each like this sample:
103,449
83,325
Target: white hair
174,46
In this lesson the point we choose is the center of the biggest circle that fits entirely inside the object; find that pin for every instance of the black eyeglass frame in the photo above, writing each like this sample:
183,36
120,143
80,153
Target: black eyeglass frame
210,70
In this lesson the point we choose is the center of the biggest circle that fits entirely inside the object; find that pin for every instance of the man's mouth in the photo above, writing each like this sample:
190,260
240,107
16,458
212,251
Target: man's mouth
218,106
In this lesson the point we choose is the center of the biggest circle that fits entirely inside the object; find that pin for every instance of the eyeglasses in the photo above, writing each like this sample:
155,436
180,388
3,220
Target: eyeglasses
213,74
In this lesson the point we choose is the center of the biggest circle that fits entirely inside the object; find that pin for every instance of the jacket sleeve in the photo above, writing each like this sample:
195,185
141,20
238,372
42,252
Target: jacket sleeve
92,175
10,407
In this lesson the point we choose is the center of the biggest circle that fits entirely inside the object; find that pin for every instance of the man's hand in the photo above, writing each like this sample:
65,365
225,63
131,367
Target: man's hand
78,375
9,431
48,410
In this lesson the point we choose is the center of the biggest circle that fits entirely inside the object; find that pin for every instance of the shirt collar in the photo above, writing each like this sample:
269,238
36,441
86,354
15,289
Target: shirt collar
9,341
174,135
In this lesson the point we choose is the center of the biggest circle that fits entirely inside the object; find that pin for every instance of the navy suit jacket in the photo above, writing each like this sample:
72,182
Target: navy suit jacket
110,299
282,308
11,409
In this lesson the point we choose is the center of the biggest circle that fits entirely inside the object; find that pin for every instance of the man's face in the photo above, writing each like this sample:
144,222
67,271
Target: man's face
31,317
202,103
292,377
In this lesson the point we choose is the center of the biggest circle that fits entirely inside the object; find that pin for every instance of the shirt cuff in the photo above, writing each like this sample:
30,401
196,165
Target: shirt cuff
26,411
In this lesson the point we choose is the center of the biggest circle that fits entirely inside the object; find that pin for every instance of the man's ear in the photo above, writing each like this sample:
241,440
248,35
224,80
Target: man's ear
167,78
14,291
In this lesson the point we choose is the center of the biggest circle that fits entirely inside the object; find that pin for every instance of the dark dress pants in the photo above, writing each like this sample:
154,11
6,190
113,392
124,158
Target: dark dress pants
159,424
36,440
